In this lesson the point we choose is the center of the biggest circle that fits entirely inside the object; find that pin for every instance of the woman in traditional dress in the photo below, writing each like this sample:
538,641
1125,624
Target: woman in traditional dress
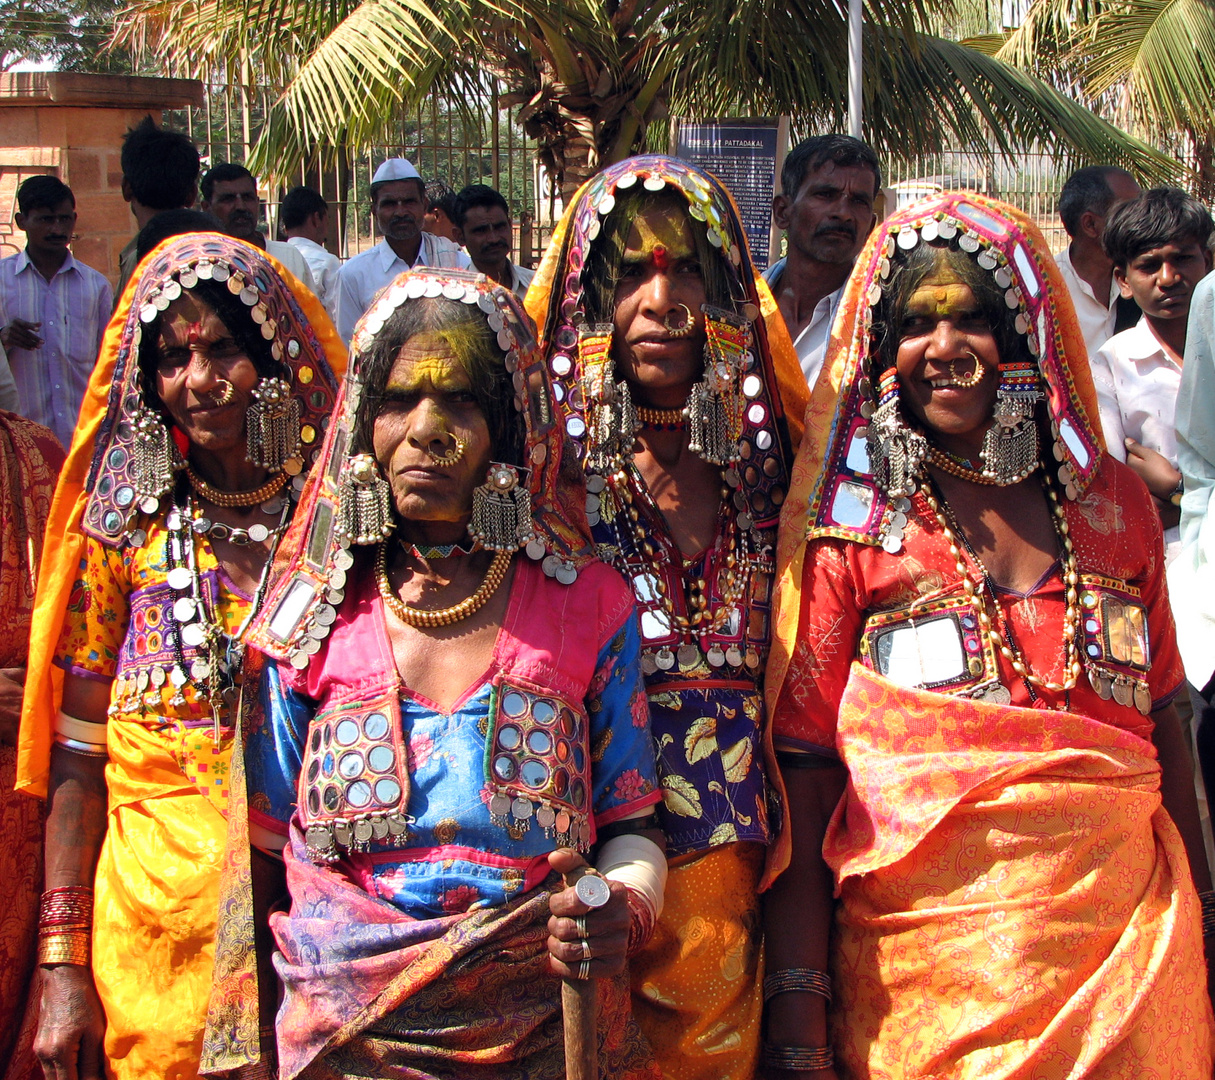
212,391
974,646
442,713
677,380
30,458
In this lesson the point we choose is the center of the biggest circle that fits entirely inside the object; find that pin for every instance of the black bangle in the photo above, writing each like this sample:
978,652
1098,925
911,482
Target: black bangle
797,759
649,823
798,1058
1207,900
792,980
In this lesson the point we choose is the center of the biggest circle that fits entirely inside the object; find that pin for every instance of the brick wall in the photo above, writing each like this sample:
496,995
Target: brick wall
71,126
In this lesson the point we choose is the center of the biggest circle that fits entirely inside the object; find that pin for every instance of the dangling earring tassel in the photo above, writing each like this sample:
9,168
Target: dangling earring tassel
715,409
156,459
501,510
611,421
1010,448
272,427
364,508
896,452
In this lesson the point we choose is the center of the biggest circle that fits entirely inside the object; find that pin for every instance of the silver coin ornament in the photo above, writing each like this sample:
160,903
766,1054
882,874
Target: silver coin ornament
592,890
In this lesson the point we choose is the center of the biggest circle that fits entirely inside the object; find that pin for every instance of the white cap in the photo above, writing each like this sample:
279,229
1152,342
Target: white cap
396,168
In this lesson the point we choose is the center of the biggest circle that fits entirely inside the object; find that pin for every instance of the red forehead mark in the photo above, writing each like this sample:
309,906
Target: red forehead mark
194,332
661,259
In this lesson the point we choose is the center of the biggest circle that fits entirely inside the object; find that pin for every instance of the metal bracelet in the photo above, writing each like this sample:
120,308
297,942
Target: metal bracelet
76,746
793,980
798,1058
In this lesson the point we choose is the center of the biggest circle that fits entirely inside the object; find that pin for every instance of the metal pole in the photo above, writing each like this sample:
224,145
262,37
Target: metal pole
855,18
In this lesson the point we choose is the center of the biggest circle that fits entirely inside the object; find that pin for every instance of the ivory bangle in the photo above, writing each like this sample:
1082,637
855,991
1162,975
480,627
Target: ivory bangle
638,863
81,731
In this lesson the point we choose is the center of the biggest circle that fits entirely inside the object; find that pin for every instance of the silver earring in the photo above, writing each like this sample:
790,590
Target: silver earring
364,506
612,422
272,427
155,457
896,451
501,510
715,409
1010,450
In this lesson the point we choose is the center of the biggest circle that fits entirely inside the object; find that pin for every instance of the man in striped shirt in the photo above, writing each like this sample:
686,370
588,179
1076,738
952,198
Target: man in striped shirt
53,309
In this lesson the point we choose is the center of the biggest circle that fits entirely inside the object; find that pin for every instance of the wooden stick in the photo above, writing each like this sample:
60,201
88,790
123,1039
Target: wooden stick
579,1005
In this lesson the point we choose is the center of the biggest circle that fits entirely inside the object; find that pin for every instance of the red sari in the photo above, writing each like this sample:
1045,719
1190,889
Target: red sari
30,459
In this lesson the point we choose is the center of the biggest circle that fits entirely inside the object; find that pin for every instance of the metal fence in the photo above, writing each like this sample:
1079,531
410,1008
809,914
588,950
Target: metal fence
479,142
474,143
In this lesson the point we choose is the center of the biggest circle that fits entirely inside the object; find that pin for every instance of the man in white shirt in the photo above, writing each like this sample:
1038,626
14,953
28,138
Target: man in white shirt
303,215
1087,199
483,225
1157,243
828,187
398,201
229,192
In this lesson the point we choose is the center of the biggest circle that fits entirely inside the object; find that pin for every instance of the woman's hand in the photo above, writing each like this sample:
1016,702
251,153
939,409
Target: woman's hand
71,1025
12,686
607,927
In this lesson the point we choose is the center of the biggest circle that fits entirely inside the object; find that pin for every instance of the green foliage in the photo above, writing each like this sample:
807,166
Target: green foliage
69,35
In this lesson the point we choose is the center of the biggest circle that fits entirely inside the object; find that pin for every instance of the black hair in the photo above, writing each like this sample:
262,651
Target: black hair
1087,191
298,205
234,314
601,273
439,197
173,223
908,272
1155,218
811,154
225,172
374,191
475,345
43,192
476,195
160,165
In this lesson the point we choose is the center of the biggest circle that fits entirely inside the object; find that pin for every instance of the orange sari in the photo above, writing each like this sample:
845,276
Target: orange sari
29,462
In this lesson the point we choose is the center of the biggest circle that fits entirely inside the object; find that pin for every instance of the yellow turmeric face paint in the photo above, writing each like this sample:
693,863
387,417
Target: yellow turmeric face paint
427,362
941,301
662,234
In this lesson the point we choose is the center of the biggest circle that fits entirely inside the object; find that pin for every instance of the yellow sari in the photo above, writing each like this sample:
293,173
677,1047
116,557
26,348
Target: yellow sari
98,613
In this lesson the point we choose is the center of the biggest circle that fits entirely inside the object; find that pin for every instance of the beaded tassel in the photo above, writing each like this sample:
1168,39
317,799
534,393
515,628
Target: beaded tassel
715,409
1010,447
896,452
501,511
155,457
272,428
364,512
611,417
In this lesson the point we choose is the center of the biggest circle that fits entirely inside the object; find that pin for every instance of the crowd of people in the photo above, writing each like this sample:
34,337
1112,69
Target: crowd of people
633,666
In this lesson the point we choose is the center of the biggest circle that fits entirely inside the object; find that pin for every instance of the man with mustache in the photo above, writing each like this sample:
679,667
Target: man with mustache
483,225
53,309
828,187
229,192
398,203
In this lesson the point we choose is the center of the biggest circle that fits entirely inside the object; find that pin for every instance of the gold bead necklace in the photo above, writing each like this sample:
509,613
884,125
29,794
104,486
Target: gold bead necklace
440,616
236,498
675,418
945,463
1071,578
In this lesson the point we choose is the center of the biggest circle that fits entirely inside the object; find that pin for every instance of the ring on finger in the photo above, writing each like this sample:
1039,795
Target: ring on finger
586,949
580,926
584,969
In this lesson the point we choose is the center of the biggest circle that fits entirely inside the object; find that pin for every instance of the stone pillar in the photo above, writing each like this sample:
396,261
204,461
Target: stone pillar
71,126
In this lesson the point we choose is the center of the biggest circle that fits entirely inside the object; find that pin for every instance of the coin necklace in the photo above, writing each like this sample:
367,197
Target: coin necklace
440,616
1001,642
194,619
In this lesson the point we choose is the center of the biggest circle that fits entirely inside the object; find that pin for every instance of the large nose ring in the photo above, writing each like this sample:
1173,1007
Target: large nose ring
682,329
448,459
967,381
226,394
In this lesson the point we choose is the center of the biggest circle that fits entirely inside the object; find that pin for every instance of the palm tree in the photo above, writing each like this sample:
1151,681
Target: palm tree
592,78
1148,64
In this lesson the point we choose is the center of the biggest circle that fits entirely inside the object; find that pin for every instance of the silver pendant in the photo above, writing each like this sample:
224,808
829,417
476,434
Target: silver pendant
664,658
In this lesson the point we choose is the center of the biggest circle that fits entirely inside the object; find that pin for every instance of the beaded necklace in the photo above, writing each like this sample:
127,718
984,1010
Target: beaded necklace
269,489
1003,641
731,558
673,419
195,622
961,468
440,616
